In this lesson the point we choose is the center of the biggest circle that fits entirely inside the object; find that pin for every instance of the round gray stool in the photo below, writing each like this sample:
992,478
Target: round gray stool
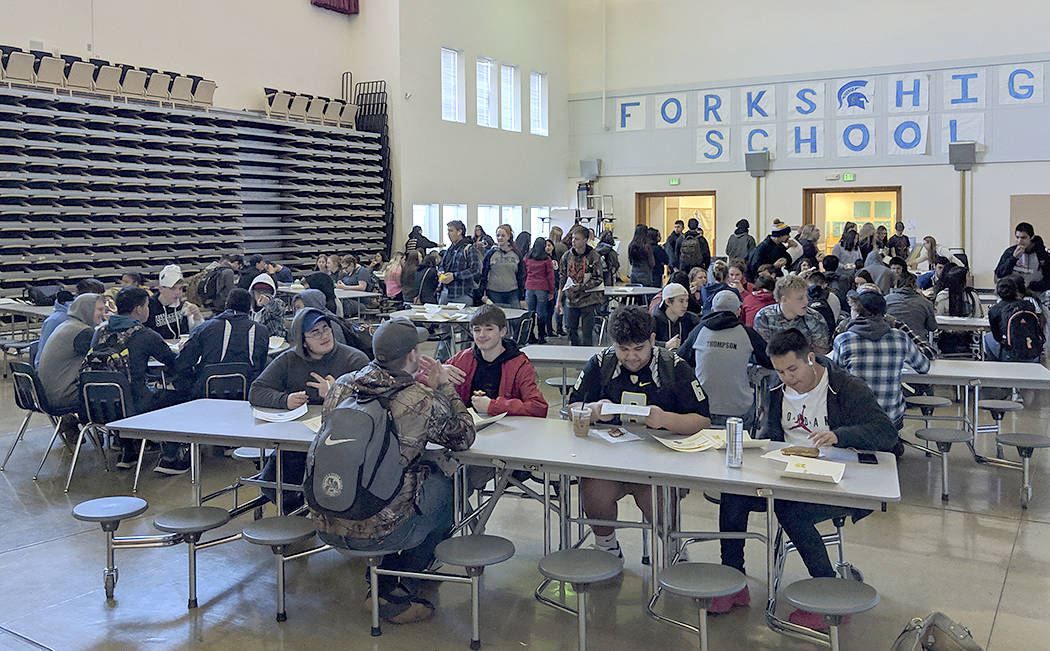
249,454
278,533
998,409
944,438
702,582
474,553
563,385
927,404
833,598
1026,445
190,523
373,558
108,512
581,568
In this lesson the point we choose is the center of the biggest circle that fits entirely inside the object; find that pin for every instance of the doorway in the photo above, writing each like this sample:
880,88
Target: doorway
830,208
660,210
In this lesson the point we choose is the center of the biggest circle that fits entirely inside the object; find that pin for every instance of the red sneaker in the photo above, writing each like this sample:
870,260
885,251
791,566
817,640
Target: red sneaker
720,605
811,620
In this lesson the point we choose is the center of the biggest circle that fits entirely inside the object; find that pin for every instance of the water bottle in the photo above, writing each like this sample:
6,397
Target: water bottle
734,442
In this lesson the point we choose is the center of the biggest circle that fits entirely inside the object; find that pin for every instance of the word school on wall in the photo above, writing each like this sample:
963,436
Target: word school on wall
885,115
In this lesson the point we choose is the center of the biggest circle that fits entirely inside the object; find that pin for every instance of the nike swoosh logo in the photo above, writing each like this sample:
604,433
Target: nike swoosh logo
337,441
644,384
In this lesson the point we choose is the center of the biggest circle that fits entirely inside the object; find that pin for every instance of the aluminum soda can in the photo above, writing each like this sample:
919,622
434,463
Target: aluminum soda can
734,442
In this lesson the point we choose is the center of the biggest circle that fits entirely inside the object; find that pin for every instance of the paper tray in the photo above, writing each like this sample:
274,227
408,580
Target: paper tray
814,470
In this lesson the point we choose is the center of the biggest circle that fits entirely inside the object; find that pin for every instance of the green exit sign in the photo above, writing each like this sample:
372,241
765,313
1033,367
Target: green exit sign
673,180
849,176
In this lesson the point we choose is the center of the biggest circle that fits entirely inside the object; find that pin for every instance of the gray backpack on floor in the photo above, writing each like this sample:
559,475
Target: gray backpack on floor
353,468
937,632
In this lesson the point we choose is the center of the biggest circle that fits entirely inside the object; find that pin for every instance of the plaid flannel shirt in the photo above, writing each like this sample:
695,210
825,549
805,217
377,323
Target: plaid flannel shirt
461,260
880,363
771,320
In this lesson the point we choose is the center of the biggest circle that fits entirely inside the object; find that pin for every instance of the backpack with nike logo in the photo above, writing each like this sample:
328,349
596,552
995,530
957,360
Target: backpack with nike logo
353,468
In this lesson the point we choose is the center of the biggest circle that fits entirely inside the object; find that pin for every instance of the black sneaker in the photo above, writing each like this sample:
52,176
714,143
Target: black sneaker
129,456
173,465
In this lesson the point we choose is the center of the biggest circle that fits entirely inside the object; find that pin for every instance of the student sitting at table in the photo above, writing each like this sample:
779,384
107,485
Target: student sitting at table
253,261
420,515
323,283
672,320
792,311
345,331
760,296
719,275
817,405
277,271
125,344
59,360
493,376
635,371
169,314
1016,325
266,308
62,305
300,375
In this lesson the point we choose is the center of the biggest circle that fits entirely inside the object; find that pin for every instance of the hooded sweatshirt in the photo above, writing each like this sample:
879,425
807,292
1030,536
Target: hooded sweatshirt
60,358
722,347
740,242
271,315
421,415
205,347
142,346
914,309
50,324
290,372
323,282
665,330
344,333
169,321
510,380
883,276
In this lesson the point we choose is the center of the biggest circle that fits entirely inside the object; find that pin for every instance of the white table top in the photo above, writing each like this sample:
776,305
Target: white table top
339,293
217,422
620,290
962,322
548,444
568,356
961,372
460,316
25,309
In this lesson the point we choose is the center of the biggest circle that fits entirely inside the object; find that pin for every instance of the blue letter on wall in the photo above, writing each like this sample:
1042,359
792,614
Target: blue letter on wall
812,140
677,110
753,104
865,137
810,104
914,92
711,105
964,89
1020,92
751,135
717,144
898,135
624,114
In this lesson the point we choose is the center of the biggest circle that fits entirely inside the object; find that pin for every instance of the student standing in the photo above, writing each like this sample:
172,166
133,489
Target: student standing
503,271
539,285
459,268
900,244
640,256
740,242
581,270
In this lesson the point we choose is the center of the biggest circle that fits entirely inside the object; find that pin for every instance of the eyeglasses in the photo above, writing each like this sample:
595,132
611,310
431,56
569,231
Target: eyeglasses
319,331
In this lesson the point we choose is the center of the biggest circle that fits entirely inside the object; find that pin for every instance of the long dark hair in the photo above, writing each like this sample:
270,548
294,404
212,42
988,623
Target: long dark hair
849,240
408,268
638,251
538,250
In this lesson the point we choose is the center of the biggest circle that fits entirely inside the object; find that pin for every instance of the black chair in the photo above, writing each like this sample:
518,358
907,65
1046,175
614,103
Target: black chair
29,395
226,381
525,326
105,396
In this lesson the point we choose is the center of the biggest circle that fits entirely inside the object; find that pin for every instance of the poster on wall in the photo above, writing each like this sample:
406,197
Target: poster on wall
964,89
714,107
1021,84
962,127
670,111
908,93
805,139
855,137
806,101
758,137
908,135
759,103
855,96
630,113
712,145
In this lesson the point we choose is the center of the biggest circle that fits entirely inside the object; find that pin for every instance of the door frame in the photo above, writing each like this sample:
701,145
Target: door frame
640,199
809,193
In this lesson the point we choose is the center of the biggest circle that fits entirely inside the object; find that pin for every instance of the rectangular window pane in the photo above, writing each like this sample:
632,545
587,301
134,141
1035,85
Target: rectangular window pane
511,215
538,103
541,224
449,212
510,98
425,215
488,98
488,218
452,108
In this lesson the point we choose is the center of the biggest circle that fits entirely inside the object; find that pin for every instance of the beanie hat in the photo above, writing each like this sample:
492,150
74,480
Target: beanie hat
780,228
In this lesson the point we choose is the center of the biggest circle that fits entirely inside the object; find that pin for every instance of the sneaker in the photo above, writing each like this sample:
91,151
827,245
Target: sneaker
413,609
615,551
811,620
129,456
720,605
173,465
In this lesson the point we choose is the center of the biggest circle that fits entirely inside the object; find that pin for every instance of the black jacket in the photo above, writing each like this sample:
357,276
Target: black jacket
665,330
1007,262
205,347
142,346
767,252
853,414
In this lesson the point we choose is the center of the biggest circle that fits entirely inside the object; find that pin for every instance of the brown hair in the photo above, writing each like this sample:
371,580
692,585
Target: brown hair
489,314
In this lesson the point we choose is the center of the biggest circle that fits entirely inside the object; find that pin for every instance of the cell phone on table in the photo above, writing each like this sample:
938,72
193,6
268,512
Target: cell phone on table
868,458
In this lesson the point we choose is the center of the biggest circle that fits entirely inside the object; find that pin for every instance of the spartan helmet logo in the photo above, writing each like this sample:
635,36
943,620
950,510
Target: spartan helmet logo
851,94
332,485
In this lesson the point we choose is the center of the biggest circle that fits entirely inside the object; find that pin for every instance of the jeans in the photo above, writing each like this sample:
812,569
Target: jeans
926,280
553,318
416,537
506,300
444,298
536,300
799,520
580,324
640,276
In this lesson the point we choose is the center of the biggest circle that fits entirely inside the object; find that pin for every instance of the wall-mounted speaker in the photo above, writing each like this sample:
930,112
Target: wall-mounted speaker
589,169
757,163
962,155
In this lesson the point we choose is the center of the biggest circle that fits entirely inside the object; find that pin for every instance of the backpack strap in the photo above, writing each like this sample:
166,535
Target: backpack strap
227,330
251,343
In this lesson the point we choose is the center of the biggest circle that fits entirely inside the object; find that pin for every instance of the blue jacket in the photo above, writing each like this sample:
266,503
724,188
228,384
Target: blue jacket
205,347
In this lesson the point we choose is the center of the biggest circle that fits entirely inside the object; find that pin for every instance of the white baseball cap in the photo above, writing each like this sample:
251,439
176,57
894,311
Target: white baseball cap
170,276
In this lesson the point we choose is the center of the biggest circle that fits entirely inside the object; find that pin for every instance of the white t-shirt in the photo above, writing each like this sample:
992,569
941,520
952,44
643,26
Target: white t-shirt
805,413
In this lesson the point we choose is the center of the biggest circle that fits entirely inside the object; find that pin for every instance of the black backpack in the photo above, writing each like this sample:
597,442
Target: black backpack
1024,335
111,352
353,468
690,254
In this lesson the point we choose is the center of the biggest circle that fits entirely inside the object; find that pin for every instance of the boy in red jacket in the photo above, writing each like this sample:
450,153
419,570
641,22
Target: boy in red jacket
493,376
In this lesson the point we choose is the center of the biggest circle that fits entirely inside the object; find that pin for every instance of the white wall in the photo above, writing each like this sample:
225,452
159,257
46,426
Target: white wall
668,43
448,162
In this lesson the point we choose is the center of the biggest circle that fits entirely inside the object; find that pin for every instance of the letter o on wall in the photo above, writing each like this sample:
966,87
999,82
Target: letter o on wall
847,137
672,101
898,135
